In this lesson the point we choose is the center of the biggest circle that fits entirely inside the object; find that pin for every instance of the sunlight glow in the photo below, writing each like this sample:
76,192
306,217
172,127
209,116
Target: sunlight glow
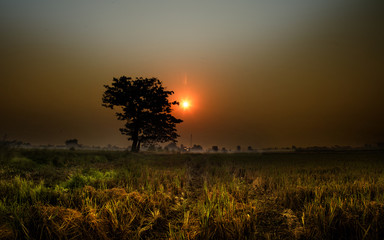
185,104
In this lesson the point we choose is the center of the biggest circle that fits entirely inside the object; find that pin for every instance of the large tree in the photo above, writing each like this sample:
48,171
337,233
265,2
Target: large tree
143,103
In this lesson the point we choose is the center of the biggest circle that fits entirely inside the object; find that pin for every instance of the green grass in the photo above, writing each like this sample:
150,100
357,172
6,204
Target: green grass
118,195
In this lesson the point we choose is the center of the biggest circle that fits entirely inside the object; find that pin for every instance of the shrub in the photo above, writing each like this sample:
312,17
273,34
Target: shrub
23,163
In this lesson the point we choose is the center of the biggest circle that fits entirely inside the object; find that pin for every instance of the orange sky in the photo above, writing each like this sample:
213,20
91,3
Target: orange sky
257,73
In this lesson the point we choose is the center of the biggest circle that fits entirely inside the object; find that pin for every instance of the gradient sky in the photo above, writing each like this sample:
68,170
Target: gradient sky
259,73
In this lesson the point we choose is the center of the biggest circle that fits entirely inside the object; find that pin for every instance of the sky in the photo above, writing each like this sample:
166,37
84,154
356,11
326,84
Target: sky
257,73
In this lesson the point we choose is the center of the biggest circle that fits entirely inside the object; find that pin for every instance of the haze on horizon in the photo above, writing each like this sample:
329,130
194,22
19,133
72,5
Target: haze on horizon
259,73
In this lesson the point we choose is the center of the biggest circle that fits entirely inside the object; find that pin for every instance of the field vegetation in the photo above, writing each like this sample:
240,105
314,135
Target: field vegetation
52,194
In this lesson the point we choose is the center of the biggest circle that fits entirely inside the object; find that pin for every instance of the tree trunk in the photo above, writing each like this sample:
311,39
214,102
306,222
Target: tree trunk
134,146
135,143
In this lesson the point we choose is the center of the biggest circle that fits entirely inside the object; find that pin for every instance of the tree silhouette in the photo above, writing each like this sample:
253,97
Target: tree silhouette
72,142
143,103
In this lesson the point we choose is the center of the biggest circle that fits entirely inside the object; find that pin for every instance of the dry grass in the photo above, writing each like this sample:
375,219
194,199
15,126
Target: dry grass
238,196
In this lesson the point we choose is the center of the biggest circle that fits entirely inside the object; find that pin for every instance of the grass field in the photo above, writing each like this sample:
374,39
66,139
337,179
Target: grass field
46,194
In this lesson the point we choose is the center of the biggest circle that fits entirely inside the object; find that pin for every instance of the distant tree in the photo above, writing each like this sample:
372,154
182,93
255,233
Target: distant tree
72,143
215,148
197,148
367,145
143,103
238,148
250,148
171,147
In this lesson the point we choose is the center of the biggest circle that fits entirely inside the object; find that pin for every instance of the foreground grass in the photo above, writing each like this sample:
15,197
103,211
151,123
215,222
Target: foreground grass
112,195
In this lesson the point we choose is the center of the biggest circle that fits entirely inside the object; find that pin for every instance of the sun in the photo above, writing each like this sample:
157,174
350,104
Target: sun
185,104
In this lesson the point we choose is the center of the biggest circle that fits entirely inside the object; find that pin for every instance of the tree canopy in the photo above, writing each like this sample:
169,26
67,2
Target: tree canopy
143,103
